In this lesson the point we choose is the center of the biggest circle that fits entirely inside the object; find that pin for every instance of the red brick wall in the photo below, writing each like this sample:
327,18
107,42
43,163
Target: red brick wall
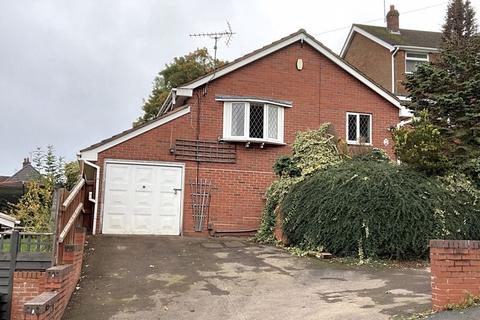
455,266
28,284
371,58
321,92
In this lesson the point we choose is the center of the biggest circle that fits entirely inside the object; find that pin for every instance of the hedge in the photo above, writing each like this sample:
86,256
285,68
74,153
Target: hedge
379,209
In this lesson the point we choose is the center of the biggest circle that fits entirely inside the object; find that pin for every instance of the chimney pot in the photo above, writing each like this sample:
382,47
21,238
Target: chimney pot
393,20
26,162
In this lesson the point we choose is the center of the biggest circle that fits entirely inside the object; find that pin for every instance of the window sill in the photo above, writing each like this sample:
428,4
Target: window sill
351,143
253,140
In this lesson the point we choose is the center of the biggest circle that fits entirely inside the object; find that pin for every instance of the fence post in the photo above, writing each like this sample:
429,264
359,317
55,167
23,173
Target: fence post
55,214
14,241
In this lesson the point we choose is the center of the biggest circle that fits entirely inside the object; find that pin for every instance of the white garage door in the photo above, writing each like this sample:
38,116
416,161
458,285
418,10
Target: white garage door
142,199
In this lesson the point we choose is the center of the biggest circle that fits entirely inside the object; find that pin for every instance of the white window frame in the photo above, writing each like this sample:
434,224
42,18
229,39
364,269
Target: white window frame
227,124
357,115
407,58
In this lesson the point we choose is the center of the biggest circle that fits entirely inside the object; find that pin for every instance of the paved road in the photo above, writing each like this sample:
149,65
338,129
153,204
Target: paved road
143,277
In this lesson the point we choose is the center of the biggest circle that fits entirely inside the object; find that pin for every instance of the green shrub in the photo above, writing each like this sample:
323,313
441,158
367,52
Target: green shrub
316,150
422,146
372,154
312,151
33,208
471,168
284,166
379,209
275,194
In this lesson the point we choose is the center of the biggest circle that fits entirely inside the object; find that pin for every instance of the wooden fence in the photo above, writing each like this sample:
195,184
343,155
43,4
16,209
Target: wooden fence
67,208
21,251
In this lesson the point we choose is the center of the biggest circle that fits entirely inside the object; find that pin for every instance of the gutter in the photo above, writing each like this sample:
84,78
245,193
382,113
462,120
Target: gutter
95,201
394,52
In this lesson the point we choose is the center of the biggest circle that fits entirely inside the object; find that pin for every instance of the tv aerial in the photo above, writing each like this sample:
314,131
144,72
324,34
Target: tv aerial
227,35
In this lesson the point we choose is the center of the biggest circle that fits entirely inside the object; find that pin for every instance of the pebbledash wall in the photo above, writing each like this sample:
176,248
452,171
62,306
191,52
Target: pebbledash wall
321,92
455,266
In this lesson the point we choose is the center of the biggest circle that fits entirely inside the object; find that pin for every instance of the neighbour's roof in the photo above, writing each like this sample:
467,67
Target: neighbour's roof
3,178
406,37
27,173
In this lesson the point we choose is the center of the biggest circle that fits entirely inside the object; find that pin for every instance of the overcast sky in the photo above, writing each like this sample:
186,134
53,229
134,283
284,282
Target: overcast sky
75,72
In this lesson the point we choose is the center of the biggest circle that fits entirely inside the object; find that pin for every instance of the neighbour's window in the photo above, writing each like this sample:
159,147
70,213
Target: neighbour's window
359,128
252,121
413,60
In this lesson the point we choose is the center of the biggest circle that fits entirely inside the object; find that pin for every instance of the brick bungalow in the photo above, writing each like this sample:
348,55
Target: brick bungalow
226,129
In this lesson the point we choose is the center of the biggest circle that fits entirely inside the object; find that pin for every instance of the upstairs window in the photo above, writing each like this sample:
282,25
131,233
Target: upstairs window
413,60
359,128
253,121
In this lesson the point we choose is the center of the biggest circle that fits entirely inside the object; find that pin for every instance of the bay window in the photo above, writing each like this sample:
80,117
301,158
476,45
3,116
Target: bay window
253,121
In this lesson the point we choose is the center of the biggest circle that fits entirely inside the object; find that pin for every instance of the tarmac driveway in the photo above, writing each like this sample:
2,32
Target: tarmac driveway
147,277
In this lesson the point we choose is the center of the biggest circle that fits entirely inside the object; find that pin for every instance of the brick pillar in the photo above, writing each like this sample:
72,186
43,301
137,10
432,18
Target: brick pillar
455,266
26,285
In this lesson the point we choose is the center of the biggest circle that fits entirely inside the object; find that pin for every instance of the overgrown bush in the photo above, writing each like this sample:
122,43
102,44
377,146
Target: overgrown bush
312,151
33,208
284,166
372,154
316,150
422,146
275,194
379,209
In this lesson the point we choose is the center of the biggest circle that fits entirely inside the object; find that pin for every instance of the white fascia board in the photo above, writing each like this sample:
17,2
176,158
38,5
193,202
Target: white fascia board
92,154
365,34
184,92
287,42
405,113
347,43
419,49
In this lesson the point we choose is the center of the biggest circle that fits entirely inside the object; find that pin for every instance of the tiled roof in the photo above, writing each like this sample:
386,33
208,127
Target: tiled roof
406,37
27,173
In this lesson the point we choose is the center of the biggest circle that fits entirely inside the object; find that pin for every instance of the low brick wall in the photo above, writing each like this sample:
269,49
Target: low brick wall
26,286
45,295
455,266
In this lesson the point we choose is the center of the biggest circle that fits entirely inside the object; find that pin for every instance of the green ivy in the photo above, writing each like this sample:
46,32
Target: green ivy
312,151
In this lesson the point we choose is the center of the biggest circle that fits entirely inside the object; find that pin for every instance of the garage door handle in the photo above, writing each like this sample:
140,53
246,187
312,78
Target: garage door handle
176,189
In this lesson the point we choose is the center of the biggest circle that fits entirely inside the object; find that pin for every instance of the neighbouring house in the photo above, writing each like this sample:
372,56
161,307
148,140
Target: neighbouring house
387,54
12,188
205,162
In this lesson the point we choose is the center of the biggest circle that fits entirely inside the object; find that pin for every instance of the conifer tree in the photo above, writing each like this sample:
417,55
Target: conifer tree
449,89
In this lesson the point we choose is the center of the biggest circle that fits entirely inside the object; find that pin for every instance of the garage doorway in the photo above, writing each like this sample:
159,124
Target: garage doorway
143,198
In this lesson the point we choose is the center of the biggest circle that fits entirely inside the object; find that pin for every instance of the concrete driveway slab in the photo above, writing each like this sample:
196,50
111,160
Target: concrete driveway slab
142,277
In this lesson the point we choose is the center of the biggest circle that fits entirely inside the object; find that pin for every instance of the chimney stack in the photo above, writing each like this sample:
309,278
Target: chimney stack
26,162
393,20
